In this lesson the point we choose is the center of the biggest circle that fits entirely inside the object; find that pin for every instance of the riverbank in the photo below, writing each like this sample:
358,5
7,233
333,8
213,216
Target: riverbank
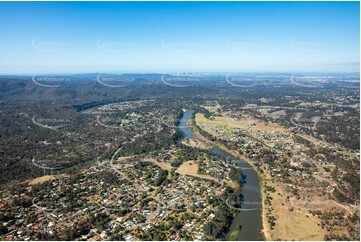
208,143
265,228
288,220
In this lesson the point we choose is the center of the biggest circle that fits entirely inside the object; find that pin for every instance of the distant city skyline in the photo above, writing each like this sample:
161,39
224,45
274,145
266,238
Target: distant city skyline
156,37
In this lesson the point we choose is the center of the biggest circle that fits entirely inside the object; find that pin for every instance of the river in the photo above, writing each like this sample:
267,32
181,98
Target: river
249,216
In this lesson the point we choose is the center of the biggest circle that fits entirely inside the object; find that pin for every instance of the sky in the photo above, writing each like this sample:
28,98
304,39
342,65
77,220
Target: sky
144,37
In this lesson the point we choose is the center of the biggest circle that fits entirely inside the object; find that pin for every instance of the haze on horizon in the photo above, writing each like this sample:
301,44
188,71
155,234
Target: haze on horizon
89,37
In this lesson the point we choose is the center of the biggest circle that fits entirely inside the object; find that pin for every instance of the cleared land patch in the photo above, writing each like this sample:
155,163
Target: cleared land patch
245,123
160,164
190,168
41,179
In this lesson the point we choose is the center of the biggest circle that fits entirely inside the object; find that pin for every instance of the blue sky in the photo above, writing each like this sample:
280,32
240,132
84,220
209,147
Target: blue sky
63,37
